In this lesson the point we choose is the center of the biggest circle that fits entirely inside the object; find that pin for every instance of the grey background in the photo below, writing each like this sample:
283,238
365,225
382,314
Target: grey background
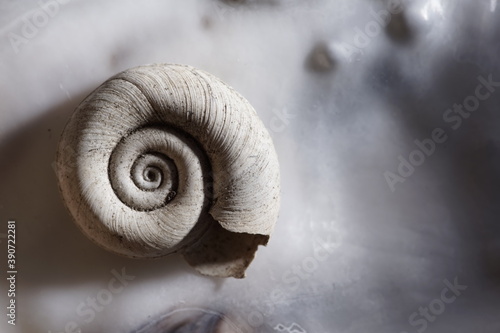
340,109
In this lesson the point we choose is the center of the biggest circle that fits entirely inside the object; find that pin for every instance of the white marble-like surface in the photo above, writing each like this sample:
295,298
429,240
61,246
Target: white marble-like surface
349,253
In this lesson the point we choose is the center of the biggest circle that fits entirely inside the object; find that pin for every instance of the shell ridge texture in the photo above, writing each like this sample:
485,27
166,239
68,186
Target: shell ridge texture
166,158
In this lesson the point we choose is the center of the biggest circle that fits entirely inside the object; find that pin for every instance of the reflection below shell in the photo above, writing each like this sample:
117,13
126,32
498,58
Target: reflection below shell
191,320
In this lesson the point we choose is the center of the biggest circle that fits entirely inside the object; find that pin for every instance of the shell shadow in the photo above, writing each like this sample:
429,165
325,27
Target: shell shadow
52,251
44,225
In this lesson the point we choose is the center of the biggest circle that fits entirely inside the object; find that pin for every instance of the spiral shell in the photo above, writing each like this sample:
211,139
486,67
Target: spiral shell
167,158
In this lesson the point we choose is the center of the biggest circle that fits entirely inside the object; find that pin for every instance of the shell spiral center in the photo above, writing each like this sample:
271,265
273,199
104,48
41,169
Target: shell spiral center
143,168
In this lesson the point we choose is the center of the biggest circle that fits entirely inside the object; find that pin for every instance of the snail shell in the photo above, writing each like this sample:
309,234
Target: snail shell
167,158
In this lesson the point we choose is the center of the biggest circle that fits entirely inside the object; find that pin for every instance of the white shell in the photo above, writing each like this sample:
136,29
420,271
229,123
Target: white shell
167,158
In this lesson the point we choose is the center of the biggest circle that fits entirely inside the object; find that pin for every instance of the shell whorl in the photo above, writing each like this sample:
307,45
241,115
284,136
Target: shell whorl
167,158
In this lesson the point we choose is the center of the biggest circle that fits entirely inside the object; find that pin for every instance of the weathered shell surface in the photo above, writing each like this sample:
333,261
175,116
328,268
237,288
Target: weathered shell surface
167,158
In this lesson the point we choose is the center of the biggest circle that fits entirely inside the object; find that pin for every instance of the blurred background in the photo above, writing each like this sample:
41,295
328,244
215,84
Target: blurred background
385,118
